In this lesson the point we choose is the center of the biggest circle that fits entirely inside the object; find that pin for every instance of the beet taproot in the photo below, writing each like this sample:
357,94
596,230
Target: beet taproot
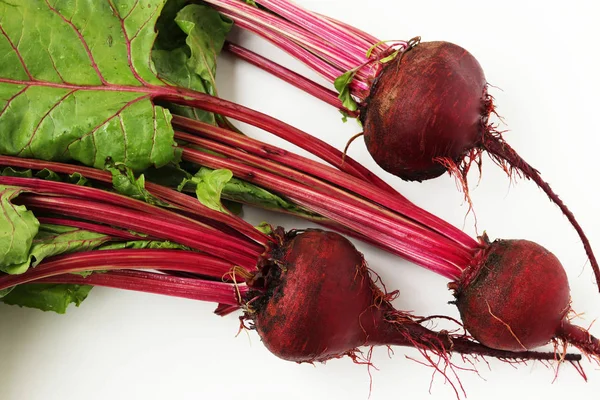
324,303
516,297
430,102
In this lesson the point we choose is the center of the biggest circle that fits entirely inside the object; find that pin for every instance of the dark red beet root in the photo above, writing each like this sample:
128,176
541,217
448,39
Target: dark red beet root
317,307
515,298
428,103
314,300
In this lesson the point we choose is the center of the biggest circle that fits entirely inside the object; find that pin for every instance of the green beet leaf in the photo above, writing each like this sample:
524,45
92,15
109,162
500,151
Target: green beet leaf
342,85
77,82
18,173
126,183
47,297
18,227
243,192
53,240
193,64
143,244
209,186
206,30
75,178
172,65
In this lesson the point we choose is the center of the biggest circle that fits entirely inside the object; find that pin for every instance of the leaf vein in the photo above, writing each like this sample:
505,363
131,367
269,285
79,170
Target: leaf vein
83,42
37,128
17,52
20,92
127,44
54,66
117,113
135,4
122,124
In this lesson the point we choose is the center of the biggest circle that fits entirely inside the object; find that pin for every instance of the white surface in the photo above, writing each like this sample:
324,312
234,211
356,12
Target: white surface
544,55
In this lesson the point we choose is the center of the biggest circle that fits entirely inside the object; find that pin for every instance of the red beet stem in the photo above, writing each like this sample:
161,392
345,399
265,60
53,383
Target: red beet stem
229,109
180,200
167,285
339,54
384,219
106,230
346,29
395,202
503,153
103,260
317,25
418,245
580,338
214,242
406,333
334,53
327,71
287,132
322,93
42,186
297,30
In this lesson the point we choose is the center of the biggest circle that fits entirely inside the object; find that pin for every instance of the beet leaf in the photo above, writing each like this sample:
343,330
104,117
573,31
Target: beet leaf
73,93
55,239
47,297
18,228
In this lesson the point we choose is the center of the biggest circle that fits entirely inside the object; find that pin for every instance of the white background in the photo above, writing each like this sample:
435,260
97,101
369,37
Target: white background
544,56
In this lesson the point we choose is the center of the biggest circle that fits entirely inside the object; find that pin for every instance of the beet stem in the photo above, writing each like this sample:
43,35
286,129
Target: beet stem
395,202
422,247
106,230
285,131
174,197
317,25
124,203
382,218
322,93
352,31
224,246
337,55
500,150
150,282
186,97
327,71
103,260
329,43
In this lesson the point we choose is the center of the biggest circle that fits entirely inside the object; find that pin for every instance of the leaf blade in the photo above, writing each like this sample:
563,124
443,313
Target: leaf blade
47,297
18,227
59,91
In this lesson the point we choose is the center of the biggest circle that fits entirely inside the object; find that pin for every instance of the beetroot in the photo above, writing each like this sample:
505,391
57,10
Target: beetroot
527,282
515,296
318,269
427,104
309,294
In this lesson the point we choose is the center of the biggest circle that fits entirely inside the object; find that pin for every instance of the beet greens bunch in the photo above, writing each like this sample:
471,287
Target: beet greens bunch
121,169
